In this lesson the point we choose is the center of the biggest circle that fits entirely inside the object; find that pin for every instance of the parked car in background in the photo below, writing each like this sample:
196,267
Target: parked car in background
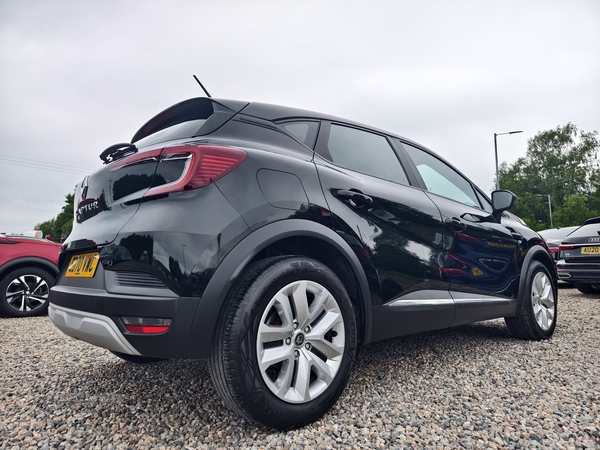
580,257
274,241
554,236
28,268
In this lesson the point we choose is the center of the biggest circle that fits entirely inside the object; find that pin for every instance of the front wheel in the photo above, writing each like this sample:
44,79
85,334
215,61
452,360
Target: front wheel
24,292
285,342
540,301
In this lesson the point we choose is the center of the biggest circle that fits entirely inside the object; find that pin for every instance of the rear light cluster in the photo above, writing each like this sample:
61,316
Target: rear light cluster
146,325
205,164
564,247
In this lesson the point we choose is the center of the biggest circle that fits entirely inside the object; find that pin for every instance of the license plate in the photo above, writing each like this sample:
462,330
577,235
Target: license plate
590,250
83,266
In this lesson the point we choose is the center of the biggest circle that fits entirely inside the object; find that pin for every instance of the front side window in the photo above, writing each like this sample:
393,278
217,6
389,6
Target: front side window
364,152
442,179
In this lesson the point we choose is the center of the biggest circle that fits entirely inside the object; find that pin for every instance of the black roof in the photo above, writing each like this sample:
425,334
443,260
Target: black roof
277,112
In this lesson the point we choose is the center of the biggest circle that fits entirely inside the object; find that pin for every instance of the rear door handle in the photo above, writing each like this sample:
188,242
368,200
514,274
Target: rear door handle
353,197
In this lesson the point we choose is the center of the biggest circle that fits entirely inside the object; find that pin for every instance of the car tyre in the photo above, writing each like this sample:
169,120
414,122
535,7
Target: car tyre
587,288
539,306
285,342
24,292
136,359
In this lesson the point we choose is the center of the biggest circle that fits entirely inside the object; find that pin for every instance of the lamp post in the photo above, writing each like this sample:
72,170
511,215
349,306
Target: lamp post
549,207
550,211
496,152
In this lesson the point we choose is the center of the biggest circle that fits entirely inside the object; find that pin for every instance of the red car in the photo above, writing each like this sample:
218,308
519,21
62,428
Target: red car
28,268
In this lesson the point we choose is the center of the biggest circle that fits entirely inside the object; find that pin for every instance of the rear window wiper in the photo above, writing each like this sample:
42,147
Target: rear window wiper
117,151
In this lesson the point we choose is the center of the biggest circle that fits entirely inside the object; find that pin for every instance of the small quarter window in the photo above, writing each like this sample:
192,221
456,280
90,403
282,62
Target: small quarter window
305,132
485,203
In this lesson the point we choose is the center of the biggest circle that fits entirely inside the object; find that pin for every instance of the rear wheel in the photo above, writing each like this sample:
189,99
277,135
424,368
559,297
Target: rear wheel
538,316
24,292
588,288
285,342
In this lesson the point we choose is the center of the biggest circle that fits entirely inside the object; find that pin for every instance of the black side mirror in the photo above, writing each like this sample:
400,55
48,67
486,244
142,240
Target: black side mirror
501,201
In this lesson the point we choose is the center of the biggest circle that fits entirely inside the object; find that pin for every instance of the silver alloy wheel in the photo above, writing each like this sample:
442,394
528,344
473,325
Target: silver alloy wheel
542,299
27,292
300,341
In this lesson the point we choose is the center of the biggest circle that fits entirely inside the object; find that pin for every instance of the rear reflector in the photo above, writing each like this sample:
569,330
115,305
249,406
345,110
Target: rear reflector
146,325
146,329
206,164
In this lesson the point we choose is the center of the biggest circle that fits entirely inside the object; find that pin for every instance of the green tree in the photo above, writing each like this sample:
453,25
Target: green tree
47,227
574,211
62,224
64,219
562,163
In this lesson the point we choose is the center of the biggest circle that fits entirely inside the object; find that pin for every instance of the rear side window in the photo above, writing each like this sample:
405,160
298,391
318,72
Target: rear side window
442,179
194,117
364,152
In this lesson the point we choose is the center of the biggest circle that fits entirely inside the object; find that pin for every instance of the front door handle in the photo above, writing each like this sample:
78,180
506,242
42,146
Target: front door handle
355,198
515,234
455,222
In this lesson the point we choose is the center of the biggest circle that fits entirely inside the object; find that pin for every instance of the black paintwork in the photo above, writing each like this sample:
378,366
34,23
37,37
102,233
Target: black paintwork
410,260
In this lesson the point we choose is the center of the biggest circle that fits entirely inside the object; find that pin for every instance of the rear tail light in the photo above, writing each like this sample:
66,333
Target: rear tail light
146,325
563,247
205,164
553,249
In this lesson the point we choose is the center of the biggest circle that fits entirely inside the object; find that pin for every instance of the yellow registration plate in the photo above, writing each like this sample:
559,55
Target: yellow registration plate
590,250
83,266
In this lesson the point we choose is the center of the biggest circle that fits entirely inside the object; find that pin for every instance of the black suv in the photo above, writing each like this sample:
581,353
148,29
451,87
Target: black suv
275,241
579,255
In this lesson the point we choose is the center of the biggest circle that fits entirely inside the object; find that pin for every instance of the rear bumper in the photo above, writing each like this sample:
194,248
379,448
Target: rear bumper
94,316
89,327
579,274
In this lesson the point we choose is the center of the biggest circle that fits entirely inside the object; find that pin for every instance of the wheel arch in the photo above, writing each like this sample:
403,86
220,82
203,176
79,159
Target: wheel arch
257,244
535,253
31,261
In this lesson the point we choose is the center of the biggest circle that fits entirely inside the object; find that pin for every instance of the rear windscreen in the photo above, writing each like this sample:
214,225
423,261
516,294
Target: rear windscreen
194,117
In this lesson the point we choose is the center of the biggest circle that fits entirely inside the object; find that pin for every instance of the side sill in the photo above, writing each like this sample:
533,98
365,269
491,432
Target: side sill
471,308
415,312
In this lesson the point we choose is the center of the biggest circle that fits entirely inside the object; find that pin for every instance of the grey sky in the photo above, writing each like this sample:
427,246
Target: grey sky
78,76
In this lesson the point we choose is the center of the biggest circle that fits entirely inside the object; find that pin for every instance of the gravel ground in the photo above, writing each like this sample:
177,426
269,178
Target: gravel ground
468,387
